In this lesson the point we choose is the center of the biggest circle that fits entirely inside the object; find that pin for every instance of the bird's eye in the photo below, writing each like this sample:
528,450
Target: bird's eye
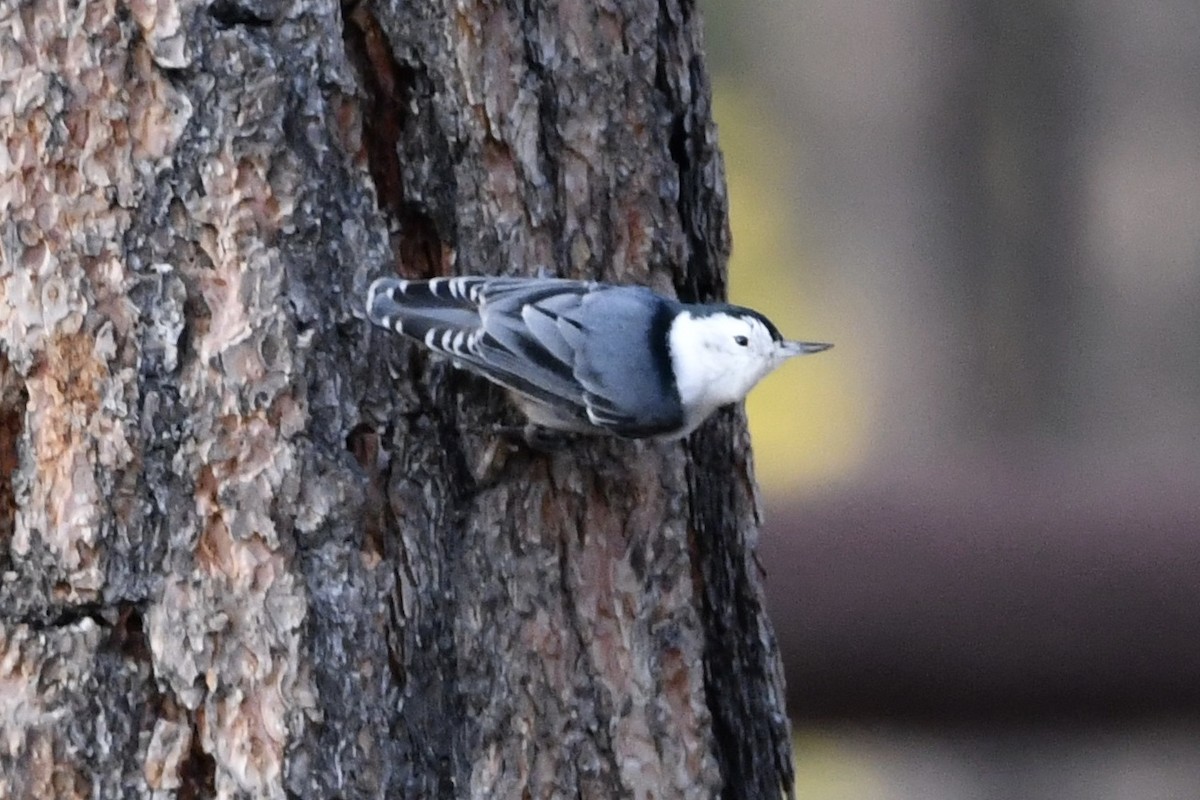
742,340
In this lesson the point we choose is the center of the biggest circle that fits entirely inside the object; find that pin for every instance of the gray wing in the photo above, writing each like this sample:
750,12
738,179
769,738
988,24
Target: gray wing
623,363
584,349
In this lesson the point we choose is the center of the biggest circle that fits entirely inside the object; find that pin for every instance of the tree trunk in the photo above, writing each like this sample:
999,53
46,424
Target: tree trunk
251,547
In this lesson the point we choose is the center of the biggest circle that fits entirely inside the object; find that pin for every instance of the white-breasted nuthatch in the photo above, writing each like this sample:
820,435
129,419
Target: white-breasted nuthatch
587,357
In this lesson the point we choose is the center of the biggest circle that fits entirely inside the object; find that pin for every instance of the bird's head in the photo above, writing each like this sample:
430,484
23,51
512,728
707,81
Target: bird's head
720,352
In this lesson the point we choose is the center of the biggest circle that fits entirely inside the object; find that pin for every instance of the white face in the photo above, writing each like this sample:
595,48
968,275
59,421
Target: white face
719,357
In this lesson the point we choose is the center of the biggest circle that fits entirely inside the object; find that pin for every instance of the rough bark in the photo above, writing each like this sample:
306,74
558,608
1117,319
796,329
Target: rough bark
252,548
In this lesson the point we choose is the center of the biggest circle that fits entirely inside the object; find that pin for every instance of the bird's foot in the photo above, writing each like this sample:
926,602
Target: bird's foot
537,437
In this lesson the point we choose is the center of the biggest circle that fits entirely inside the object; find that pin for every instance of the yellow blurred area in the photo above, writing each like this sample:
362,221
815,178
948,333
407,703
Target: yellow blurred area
806,426
829,768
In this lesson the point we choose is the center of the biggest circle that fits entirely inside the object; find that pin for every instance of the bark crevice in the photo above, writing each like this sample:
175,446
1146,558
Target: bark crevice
13,398
396,111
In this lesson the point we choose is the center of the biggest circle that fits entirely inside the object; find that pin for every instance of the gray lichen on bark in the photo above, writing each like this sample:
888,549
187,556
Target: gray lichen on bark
247,544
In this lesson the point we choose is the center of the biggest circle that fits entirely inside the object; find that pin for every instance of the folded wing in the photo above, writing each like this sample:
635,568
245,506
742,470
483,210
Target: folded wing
586,350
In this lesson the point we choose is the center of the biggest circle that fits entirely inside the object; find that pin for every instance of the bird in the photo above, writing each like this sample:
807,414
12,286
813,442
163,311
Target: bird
583,357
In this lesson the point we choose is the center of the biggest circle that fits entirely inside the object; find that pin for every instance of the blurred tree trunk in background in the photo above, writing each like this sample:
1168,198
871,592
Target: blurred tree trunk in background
249,547
1010,167
942,148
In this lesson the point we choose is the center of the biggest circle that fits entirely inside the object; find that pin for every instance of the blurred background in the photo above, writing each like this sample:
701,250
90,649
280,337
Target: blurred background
983,505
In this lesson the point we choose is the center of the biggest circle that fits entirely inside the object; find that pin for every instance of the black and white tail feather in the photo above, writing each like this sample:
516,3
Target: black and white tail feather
586,357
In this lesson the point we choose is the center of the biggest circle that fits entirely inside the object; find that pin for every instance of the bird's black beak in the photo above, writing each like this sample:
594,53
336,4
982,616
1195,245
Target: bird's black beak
804,348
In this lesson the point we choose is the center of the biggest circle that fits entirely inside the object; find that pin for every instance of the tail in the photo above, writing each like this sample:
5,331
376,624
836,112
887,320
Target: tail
425,310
